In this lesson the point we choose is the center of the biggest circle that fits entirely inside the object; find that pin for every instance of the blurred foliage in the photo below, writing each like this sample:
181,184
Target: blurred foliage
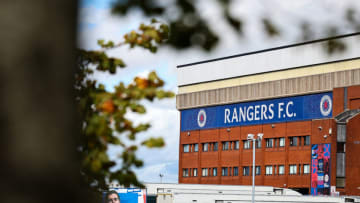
103,113
188,28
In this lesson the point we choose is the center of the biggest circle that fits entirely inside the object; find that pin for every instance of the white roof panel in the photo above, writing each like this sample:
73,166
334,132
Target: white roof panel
276,59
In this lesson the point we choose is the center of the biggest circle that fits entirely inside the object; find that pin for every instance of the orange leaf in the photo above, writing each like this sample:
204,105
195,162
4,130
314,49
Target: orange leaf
142,83
108,106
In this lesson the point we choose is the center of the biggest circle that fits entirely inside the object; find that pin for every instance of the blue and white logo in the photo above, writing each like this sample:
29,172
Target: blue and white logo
325,105
201,118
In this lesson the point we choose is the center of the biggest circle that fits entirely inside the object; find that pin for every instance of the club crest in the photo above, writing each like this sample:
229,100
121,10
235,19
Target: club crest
325,105
201,118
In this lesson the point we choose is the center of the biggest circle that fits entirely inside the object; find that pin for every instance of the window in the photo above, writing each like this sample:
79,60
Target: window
281,170
215,146
225,146
306,168
214,171
204,172
224,171
196,147
258,144
269,142
246,144
293,169
257,170
268,170
205,147
195,172
185,172
236,145
341,147
282,142
307,140
235,171
246,171
293,141
186,147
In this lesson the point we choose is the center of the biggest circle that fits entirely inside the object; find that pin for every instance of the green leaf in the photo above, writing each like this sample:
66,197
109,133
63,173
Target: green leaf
160,94
119,62
142,127
96,165
112,69
153,49
154,142
152,33
138,163
138,108
101,42
101,87
152,76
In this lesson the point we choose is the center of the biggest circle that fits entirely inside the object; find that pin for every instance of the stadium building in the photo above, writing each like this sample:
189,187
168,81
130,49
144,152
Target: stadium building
303,98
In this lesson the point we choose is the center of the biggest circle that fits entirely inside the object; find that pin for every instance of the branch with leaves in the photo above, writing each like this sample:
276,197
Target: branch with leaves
190,29
103,113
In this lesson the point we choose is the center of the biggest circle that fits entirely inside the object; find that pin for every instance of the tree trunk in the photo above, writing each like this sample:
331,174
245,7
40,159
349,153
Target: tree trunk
38,116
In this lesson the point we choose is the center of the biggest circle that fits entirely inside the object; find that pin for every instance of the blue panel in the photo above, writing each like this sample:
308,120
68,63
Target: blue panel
129,197
296,108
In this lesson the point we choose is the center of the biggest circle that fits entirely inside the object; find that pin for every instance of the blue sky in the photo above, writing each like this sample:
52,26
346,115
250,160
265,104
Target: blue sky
96,22
100,4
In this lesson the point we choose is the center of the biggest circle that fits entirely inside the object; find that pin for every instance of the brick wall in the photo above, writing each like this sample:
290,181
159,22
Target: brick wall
354,97
320,131
241,157
352,184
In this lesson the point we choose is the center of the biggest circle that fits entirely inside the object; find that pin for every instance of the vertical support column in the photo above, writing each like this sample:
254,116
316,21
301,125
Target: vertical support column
286,164
180,157
200,150
345,98
340,155
253,172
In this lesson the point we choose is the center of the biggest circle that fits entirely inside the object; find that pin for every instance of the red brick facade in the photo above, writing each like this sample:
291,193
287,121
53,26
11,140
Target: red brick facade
275,157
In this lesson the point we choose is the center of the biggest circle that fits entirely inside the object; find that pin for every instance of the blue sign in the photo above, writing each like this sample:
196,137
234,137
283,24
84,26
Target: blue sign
129,195
296,108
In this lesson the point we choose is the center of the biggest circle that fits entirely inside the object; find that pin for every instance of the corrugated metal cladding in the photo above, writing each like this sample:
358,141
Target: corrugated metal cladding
265,90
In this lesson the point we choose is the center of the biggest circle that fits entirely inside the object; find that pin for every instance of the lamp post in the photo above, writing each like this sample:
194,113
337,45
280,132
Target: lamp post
251,137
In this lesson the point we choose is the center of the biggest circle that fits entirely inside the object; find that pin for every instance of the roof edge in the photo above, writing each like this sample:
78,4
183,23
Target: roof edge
270,49
259,73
